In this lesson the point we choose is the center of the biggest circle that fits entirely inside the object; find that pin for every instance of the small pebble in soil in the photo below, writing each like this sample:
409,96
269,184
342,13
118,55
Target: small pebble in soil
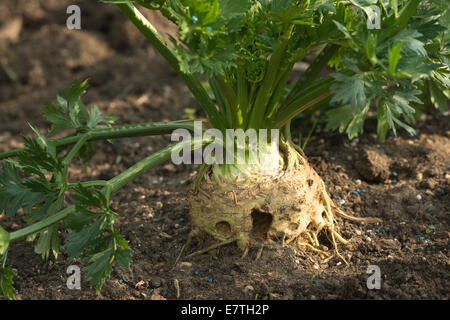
340,201
447,176
358,182
249,289
419,197
209,280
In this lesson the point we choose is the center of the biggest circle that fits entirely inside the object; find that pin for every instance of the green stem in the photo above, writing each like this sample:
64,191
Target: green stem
313,95
309,134
74,150
152,161
242,93
112,185
194,85
88,184
124,131
41,224
278,92
230,100
313,71
269,82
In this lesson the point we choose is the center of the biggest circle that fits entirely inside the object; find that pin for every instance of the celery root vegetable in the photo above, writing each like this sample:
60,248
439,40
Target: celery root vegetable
245,52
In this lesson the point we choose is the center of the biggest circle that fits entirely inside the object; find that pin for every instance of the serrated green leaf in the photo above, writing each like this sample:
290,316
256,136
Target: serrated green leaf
96,118
339,118
410,43
6,282
79,241
355,126
48,241
123,257
99,267
56,117
76,90
348,90
18,193
437,98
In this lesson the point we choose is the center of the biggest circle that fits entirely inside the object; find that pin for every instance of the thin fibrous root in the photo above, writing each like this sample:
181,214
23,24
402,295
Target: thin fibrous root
214,246
245,253
339,237
186,245
313,248
329,214
258,255
312,240
359,219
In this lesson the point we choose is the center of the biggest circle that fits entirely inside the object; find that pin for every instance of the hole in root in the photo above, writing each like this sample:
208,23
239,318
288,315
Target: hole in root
261,224
223,228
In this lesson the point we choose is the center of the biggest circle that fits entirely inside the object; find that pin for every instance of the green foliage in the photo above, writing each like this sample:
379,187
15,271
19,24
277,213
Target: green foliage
246,50
93,235
36,181
391,72
6,282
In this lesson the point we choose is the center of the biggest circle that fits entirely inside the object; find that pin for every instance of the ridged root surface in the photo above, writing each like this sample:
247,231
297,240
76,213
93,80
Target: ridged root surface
291,207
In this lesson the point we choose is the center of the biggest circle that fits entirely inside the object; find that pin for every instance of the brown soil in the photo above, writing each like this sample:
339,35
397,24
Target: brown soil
129,79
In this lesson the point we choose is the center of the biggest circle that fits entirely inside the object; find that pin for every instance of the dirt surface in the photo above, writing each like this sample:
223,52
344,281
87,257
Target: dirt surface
405,181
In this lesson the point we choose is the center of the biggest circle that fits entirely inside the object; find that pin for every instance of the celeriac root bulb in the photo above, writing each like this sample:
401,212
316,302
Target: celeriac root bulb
291,207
